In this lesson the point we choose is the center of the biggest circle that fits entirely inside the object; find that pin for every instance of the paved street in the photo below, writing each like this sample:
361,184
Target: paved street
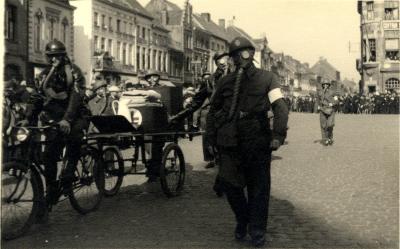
344,196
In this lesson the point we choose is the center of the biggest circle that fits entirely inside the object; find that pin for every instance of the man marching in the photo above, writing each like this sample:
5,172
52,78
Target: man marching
238,125
326,100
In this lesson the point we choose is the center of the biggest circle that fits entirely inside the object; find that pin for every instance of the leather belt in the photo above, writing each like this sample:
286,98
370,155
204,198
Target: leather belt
248,115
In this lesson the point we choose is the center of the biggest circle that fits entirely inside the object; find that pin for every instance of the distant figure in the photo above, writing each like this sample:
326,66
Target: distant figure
326,100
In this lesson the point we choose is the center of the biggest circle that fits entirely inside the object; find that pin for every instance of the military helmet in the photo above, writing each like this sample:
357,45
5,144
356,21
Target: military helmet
150,73
218,55
98,84
205,74
240,43
55,47
114,88
325,82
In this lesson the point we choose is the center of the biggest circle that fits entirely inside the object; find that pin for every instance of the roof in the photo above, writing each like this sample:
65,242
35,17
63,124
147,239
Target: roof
174,12
129,5
325,69
172,7
211,27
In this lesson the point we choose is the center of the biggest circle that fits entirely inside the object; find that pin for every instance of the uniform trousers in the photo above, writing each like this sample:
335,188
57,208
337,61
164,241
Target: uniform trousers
54,148
248,166
327,123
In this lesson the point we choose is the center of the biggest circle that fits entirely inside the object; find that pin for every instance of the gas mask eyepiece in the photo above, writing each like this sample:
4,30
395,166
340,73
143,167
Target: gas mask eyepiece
244,54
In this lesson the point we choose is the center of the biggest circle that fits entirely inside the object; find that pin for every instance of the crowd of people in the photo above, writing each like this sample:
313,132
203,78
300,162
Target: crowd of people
385,103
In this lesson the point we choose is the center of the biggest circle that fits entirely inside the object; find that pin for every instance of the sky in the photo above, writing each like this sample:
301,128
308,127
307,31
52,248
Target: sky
304,29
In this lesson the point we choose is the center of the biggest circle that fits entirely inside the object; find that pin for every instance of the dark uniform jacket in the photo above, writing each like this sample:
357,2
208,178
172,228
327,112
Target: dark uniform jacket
253,101
66,80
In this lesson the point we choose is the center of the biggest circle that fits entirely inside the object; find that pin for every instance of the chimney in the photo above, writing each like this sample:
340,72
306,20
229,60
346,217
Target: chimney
164,17
337,75
206,16
221,23
231,22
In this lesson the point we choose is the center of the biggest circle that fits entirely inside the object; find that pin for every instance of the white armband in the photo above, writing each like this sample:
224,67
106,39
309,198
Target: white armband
274,95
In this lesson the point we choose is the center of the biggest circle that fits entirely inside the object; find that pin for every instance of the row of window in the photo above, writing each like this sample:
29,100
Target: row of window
390,13
158,61
121,26
54,28
188,41
125,54
392,50
123,51
201,43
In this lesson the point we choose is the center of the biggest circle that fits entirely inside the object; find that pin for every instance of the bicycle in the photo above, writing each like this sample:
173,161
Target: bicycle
23,192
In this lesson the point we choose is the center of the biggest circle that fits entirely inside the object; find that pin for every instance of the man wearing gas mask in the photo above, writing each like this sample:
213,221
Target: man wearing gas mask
238,125
221,60
60,100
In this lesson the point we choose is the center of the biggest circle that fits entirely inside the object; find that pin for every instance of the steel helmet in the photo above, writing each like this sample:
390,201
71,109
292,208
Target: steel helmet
151,73
240,43
98,84
219,55
325,82
205,74
114,89
55,47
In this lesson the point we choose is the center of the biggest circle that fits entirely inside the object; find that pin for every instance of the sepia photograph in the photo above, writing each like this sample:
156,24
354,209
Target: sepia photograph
200,124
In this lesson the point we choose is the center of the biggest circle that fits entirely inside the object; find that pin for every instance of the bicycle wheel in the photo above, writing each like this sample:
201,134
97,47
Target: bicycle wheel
113,171
172,171
87,191
20,199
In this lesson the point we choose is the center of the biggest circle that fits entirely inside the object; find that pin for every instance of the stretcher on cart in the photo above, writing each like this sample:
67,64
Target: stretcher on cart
122,141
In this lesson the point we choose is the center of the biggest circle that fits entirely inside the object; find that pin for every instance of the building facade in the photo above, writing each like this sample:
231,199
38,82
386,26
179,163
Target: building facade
48,20
218,39
178,21
123,39
201,47
159,47
379,63
16,40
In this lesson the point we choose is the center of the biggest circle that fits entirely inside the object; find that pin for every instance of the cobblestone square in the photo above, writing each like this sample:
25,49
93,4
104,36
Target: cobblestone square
341,196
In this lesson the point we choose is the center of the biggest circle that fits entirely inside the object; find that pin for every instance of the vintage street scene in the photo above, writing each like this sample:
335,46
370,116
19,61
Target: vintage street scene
200,124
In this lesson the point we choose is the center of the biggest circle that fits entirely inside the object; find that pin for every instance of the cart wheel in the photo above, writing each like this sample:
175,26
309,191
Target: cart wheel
113,170
172,171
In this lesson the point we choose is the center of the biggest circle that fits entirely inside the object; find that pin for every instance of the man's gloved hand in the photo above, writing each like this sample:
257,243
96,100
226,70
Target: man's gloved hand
275,144
65,126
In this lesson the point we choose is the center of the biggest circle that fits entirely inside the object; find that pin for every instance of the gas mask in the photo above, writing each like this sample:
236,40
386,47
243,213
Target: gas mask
56,60
243,58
